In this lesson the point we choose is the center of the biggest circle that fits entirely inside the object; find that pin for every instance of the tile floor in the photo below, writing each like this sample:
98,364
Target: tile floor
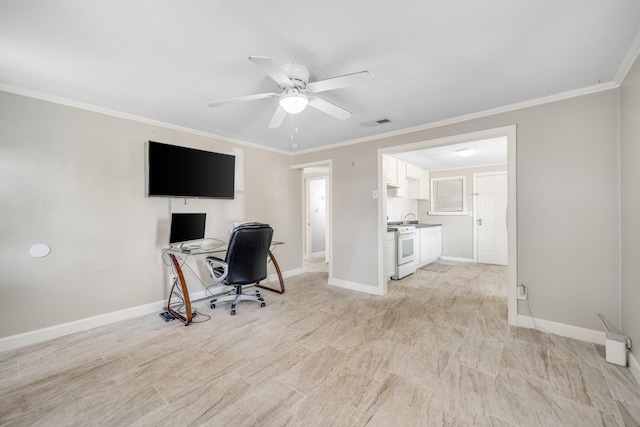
436,351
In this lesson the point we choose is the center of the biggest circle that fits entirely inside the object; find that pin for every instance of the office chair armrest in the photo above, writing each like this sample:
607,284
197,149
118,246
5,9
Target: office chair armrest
217,268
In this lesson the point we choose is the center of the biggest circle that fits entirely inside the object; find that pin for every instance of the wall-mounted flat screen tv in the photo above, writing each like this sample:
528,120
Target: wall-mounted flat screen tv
175,171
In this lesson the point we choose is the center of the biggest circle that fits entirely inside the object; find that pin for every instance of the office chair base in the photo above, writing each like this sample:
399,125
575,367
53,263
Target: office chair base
236,296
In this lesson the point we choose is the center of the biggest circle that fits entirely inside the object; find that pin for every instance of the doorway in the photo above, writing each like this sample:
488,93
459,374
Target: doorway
316,216
490,218
316,209
508,133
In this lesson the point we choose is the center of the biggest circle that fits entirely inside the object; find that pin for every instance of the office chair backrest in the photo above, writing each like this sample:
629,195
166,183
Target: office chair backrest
247,253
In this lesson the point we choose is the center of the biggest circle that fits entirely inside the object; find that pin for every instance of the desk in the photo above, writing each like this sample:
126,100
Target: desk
183,292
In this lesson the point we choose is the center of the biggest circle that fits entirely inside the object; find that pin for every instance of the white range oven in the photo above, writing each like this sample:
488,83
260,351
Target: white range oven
405,250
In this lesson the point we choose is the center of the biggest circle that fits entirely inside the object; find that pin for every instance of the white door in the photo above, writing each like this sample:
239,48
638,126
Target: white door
316,218
490,190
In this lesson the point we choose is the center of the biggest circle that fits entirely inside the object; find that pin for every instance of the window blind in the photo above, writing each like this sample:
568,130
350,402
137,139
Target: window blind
448,195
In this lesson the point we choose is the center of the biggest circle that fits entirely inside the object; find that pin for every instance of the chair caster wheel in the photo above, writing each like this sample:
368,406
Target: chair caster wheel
213,305
263,305
233,312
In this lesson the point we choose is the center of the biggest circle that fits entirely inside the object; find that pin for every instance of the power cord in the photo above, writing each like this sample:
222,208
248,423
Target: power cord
184,265
201,315
533,319
179,304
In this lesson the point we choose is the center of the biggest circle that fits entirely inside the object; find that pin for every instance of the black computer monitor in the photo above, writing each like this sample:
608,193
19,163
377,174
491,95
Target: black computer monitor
187,226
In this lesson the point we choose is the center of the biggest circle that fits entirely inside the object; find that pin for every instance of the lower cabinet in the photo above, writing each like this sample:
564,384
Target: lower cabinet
390,265
417,247
430,244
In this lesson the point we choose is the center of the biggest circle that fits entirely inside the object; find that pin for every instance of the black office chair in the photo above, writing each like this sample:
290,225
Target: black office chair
245,263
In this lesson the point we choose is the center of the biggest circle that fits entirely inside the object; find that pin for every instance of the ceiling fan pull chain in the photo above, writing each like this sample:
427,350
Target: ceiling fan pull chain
291,126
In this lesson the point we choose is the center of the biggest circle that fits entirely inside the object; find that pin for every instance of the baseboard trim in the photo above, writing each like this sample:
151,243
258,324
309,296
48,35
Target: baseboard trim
317,255
40,335
583,334
51,332
562,329
289,273
634,366
354,286
453,258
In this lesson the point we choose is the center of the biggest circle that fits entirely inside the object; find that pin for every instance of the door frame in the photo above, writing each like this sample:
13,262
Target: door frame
307,182
476,175
512,215
329,213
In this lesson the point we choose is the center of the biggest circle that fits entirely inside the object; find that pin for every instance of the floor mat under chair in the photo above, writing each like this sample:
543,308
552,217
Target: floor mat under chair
438,267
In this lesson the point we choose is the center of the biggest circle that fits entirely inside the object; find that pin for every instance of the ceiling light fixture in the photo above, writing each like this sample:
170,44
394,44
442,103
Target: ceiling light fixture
294,102
464,152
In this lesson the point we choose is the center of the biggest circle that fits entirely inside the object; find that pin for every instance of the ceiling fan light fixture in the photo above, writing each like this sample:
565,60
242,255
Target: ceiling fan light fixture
294,102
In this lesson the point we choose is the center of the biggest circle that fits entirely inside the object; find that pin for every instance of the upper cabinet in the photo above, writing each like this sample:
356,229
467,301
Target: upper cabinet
413,172
391,168
423,192
405,180
418,188
401,191
396,176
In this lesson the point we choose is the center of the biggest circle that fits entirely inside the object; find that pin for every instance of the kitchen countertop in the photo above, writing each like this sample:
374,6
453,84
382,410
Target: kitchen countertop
416,224
427,225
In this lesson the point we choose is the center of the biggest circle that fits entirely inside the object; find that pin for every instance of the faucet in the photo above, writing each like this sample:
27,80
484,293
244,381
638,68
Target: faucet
405,217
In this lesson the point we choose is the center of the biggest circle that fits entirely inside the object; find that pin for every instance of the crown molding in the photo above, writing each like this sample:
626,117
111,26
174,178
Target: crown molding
94,108
485,113
628,61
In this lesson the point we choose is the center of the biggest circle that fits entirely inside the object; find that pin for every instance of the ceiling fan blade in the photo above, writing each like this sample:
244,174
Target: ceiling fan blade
278,118
329,108
242,99
272,70
339,82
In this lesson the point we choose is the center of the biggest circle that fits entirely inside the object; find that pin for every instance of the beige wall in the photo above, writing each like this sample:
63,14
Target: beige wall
75,180
630,178
457,230
568,216
354,210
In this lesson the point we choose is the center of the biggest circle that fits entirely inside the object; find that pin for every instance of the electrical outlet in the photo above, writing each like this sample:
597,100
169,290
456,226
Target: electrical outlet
522,292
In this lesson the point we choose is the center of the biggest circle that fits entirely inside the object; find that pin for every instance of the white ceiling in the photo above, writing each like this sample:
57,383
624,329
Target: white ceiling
432,60
485,152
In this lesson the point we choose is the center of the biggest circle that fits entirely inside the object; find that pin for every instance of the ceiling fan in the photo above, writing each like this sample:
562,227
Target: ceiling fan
293,80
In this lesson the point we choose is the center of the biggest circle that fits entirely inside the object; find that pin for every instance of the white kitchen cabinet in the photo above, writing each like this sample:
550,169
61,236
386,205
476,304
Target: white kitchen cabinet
424,246
391,169
413,190
413,172
423,187
395,175
401,191
390,264
435,243
430,244
418,189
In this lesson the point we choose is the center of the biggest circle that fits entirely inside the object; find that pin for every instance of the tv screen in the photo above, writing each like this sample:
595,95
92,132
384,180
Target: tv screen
187,226
186,172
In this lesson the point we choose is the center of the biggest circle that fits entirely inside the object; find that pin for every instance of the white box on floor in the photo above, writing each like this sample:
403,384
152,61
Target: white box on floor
616,349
